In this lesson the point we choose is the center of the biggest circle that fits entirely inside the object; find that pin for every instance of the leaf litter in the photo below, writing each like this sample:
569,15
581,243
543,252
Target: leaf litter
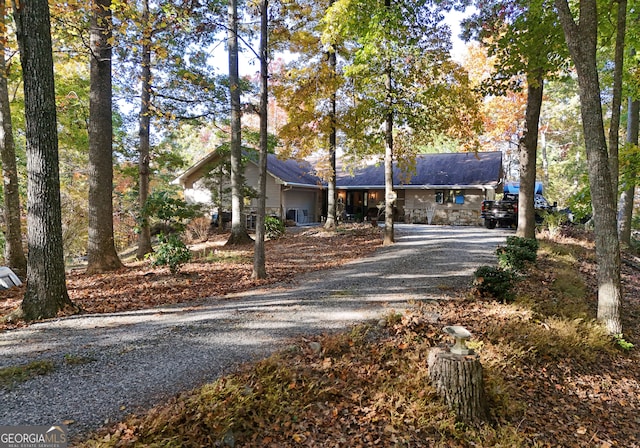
553,378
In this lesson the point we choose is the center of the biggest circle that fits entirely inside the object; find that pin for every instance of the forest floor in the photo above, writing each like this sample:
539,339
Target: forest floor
215,270
552,376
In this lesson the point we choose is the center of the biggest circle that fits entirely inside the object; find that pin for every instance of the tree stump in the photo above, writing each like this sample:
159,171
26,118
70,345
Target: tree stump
458,380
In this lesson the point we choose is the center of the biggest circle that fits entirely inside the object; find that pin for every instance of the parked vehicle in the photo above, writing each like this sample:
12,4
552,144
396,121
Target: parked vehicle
504,212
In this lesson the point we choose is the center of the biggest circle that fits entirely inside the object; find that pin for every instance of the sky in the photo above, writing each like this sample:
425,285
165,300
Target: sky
249,63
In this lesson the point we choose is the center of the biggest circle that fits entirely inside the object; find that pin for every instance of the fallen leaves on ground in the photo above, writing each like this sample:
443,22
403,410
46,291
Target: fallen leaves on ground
216,270
552,378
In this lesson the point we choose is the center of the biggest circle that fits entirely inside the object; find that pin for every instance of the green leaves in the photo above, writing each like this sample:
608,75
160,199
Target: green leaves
172,212
400,65
171,252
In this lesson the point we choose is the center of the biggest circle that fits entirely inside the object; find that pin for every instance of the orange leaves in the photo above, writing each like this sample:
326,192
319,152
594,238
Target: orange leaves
140,286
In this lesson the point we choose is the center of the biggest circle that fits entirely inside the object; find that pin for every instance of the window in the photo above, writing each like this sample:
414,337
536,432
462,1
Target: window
450,197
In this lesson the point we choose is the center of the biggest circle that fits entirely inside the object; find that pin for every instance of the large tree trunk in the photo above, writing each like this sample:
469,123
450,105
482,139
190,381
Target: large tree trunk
144,237
625,211
581,38
459,381
528,152
14,252
389,237
239,233
101,252
331,183
46,293
616,102
259,262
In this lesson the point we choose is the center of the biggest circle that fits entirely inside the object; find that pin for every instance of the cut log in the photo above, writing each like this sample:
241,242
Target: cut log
458,380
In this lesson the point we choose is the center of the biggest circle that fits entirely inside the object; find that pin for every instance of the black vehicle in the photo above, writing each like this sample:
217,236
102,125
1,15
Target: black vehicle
504,212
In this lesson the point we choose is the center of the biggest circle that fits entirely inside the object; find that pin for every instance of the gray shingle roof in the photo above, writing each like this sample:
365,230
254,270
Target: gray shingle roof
292,171
433,170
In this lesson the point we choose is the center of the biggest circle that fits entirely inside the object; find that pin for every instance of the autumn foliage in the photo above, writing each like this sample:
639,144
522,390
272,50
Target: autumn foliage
553,377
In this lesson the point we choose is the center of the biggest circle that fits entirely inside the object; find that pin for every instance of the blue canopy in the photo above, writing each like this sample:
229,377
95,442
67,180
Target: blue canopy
514,188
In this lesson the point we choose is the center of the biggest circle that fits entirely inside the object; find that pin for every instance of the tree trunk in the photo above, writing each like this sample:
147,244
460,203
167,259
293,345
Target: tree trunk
528,152
239,233
14,252
144,237
331,183
259,262
581,39
101,252
46,292
458,380
625,211
544,155
389,237
616,102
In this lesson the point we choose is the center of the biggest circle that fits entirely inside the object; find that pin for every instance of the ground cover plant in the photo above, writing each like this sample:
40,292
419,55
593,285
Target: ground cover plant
552,376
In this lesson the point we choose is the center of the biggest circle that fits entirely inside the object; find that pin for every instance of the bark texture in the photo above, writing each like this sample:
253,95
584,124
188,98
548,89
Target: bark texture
46,292
14,252
616,100
528,152
459,381
581,39
239,233
101,252
144,237
259,262
625,210
331,182
389,233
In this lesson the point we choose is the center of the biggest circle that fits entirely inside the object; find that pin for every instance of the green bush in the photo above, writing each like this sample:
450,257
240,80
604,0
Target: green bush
518,251
528,243
494,282
171,252
273,227
168,212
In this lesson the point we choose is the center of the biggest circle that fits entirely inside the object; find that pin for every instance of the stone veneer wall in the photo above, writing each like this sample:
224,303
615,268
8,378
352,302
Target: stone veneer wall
445,216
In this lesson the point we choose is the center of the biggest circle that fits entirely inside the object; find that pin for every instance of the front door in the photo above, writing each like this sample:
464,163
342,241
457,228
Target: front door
356,205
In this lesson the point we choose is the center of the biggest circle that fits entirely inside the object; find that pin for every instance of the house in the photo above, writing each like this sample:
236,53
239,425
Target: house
439,189
294,191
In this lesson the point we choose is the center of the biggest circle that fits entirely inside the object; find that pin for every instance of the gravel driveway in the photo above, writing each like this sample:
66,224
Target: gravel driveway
109,365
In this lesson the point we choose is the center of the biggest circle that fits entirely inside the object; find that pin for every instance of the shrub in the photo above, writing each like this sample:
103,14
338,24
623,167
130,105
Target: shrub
198,229
171,252
517,252
273,227
528,243
167,212
494,282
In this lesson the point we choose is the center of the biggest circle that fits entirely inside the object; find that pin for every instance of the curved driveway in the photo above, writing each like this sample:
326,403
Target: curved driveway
107,366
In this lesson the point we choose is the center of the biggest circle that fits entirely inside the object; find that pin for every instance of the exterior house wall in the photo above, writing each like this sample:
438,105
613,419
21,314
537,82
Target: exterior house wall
301,205
274,199
198,194
420,205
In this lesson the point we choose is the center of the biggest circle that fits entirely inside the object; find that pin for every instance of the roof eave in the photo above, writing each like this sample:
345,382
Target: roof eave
301,185
419,187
